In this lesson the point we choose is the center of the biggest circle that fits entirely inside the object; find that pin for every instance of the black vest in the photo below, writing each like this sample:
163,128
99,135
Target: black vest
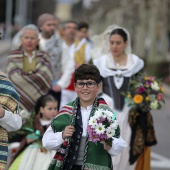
74,147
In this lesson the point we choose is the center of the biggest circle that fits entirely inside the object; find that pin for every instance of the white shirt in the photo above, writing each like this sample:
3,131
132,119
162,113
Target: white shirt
69,48
10,121
30,57
67,66
52,141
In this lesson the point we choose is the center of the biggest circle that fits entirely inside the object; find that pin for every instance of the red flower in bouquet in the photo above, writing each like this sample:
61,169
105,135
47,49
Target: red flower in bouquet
159,97
141,89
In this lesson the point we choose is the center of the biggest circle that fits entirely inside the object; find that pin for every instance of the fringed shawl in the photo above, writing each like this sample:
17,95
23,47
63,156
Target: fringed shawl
33,84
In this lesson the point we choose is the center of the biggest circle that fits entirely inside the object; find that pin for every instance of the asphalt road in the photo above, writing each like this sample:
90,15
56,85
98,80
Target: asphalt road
161,151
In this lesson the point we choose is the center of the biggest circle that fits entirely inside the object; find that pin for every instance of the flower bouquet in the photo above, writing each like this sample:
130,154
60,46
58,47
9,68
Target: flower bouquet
103,126
145,93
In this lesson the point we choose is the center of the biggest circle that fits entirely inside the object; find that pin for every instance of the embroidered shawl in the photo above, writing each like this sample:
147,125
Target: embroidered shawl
143,133
30,85
95,157
9,100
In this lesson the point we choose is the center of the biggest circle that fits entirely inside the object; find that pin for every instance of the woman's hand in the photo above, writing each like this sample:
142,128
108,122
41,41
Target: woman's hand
68,132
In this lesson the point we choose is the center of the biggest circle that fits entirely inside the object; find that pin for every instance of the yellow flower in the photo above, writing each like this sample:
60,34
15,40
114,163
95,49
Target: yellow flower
147,98
138,99
161,88
129,96
146,78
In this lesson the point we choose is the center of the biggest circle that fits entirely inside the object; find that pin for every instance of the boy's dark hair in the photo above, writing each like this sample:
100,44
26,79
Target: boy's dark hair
82,25
87,71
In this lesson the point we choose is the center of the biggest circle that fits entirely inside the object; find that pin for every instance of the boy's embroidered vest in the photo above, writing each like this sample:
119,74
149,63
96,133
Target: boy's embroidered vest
74,147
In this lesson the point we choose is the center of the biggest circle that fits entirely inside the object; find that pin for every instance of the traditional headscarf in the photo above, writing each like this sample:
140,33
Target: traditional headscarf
101,42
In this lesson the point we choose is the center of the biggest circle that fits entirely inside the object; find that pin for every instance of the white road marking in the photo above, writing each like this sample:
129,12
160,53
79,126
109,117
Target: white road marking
159,161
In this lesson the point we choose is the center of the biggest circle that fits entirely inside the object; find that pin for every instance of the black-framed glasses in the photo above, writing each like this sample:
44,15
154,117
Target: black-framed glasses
89,84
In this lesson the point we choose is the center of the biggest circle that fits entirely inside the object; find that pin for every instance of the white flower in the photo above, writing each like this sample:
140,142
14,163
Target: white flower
24,114
154,104
93,122
114,124
104,115
98,114
108,114
100,128
155,86
110,132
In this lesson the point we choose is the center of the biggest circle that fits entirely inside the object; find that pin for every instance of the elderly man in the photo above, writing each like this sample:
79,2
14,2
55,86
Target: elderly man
9,118
49,42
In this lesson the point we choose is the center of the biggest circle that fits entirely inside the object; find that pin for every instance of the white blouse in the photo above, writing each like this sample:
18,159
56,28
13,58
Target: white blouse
10,121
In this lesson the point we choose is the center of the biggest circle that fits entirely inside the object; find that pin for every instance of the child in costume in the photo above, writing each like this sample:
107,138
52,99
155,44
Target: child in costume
68,131
31,155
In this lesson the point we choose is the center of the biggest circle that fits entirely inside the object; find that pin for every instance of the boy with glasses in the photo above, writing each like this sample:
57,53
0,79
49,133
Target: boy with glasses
68,135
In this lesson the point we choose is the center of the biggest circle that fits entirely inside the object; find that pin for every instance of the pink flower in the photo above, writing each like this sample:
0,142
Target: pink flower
159,97
88,128
103,136
94,138
102,119
148,83
141,89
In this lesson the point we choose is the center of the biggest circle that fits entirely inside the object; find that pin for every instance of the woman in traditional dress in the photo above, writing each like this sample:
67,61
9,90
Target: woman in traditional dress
29,69
117,66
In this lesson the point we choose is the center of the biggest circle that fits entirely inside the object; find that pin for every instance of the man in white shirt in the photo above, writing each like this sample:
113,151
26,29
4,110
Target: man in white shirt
49,42
68,44
83,43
